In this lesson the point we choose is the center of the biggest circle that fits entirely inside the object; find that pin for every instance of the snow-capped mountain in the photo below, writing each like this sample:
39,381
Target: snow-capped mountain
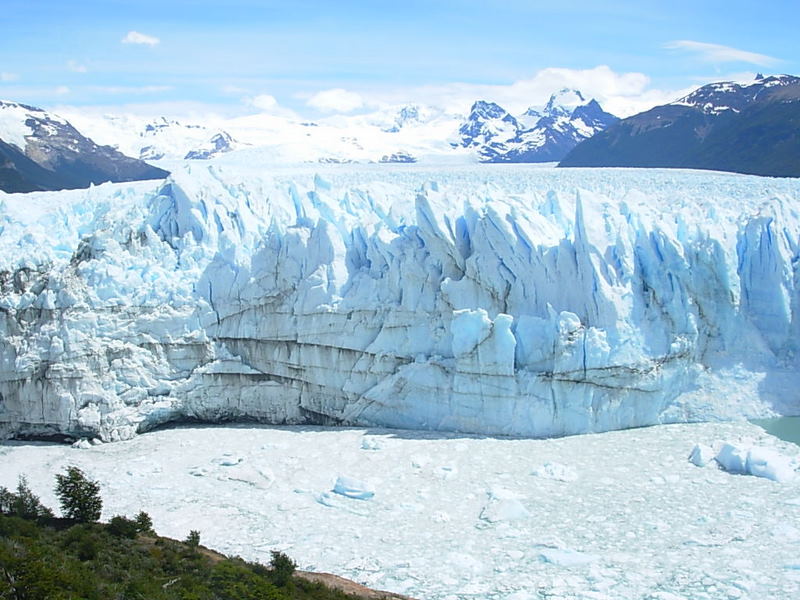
42,151
537,135
424,133
218,144
716,98
401,296
751,127
160,138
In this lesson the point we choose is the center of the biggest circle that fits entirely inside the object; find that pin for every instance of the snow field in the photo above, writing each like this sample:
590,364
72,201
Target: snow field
615,516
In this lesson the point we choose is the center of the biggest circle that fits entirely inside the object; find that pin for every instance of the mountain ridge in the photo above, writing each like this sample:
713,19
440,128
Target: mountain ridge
41,151
750,128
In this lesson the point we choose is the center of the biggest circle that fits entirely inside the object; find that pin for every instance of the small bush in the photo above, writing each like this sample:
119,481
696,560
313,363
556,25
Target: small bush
123,528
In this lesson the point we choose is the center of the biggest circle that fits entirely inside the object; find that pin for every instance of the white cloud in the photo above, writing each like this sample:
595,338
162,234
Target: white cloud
76,67
6,77
622,94
62,90
267,104
336,100
717,53
134,37
263,102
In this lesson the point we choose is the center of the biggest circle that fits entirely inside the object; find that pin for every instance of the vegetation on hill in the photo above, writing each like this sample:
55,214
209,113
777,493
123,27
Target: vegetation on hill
46,558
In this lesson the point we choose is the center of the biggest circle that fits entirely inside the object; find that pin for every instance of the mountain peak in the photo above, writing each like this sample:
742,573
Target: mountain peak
487,110
563,102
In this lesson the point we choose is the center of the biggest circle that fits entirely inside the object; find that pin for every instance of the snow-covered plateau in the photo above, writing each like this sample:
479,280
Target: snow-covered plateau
622,515
488,299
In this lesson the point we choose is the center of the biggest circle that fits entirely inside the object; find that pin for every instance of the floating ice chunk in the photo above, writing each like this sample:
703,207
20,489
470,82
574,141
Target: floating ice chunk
82,444
765,462
701,455
566,557
733,458
510,509
440,517
228,460
353,488
757,461
556,471
503,505
371,443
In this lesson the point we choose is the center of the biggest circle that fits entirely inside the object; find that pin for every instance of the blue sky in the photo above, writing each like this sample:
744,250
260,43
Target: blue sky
243,55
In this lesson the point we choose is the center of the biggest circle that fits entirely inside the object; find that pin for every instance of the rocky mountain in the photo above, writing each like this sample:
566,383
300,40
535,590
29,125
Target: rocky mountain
41,151
537,135
751,127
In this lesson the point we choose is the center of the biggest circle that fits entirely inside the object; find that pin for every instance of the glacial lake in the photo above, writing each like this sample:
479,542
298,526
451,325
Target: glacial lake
785,428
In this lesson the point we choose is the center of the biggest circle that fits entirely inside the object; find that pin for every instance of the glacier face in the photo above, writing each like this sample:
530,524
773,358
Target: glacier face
485,299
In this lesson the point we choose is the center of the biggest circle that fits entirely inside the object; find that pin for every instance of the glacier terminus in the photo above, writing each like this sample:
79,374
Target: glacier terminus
491,299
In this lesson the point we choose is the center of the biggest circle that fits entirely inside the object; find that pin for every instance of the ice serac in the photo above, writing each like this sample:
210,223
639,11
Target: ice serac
412,298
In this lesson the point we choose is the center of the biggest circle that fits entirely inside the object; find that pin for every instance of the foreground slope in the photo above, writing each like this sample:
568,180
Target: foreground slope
490,299
749,127
42,151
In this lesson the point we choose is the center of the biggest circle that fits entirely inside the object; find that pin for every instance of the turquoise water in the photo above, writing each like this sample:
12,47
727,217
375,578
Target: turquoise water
786,428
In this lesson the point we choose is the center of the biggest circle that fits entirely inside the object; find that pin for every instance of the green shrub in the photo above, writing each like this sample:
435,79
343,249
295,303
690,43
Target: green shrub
122,527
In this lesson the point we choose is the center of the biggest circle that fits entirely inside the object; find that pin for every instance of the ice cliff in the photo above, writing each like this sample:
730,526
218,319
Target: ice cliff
487,299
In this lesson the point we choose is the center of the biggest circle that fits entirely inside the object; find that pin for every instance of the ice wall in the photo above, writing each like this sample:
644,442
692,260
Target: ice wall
499,300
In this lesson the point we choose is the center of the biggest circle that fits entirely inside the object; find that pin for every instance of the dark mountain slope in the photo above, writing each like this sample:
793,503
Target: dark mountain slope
40,151
746,128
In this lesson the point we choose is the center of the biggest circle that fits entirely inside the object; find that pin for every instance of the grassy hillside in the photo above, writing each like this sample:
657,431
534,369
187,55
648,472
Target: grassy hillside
47,558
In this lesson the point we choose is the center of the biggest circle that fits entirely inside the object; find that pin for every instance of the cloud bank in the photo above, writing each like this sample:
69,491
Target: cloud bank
717,53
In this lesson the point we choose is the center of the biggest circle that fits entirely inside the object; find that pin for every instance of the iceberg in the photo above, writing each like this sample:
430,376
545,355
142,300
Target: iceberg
490,299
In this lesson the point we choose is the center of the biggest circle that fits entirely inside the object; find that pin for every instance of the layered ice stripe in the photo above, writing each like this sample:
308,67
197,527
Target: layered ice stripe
500,300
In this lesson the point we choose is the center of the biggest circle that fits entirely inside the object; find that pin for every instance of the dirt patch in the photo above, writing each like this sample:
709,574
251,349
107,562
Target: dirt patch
349,587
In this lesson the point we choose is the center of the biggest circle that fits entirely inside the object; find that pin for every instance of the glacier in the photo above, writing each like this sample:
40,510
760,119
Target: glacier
489,299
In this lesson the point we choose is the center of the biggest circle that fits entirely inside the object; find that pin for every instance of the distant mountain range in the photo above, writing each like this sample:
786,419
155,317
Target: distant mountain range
41,151
535,136
749,127
404,133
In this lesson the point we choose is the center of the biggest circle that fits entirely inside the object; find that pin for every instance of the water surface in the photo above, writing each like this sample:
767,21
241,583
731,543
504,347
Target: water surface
785,428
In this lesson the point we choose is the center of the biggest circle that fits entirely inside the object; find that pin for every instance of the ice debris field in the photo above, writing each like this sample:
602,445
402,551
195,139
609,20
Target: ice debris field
519,300
623,515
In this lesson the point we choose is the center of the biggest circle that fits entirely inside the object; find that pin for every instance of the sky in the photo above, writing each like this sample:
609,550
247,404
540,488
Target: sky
313,58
